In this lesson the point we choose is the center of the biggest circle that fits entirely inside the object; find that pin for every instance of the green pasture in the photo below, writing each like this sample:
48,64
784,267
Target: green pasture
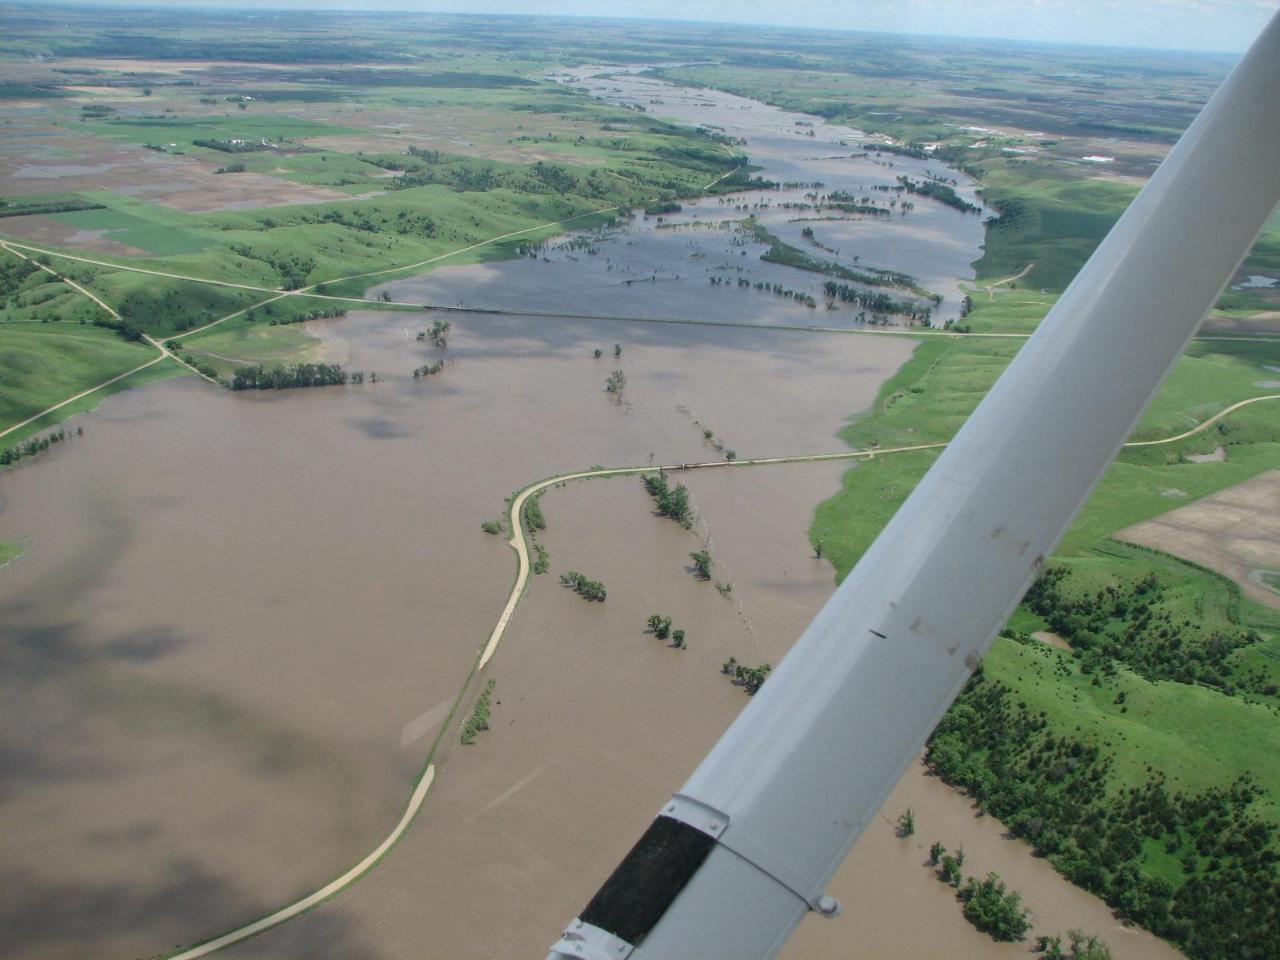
44,363
1211,375
161,239
240,341
931,396
1051,216
10,550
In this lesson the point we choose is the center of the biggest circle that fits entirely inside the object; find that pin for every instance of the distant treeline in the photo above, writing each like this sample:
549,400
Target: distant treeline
877,302
26,208
29,91
233,146
168,46
320,313
284,378
469,175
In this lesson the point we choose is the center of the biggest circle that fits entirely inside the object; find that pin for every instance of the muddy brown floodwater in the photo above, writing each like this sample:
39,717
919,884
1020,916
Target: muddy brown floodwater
595,722
227,646
241,621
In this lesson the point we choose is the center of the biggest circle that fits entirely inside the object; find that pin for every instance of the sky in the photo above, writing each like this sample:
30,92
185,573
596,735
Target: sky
1221,25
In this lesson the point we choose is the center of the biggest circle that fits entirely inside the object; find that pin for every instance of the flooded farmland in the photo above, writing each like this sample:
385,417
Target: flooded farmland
596,722
703,261
242,620
237,616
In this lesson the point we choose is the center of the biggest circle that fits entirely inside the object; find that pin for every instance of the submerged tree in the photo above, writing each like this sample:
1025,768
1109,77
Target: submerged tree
671,502
701,564
616,383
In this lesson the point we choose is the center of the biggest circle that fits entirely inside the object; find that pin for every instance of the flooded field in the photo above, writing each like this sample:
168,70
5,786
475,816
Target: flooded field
701,261
39,157
242,620
596,722
238,617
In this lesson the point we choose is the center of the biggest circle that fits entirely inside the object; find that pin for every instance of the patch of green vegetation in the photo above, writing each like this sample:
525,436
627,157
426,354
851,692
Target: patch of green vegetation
1161,617
1210,376
534,519
10,550
1097,770
29,294
161,239
480,714
993,909
241,341
162,306
1005,310
583,586
43,364
32,206
1194,735
1047,216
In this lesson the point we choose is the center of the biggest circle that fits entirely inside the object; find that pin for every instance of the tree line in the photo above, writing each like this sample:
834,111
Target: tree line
29,448
583,586
941,192
751,679
257,377
480,714
660,627
877,302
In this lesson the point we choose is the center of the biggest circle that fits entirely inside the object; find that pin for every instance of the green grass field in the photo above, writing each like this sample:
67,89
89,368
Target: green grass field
41,364
932,395
161,239
1049,216
1198,737
237,342
10,550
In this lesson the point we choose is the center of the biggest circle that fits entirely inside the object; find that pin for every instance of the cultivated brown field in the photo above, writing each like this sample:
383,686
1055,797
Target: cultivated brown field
1235,531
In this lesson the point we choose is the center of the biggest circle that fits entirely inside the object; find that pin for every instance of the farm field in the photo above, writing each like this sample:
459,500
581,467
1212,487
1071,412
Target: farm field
1231,531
